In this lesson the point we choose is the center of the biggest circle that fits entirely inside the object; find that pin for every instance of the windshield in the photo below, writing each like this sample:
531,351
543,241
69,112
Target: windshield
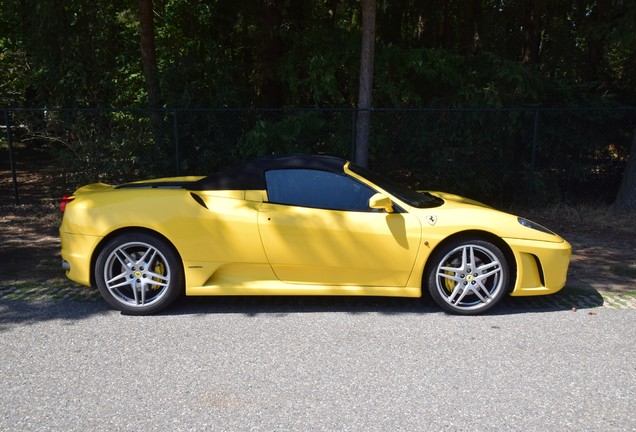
403,193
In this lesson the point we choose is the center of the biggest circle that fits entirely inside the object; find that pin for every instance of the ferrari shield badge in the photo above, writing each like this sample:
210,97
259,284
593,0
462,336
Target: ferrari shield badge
432,220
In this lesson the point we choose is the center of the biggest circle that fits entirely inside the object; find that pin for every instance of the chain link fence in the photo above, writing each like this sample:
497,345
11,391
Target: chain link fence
499,156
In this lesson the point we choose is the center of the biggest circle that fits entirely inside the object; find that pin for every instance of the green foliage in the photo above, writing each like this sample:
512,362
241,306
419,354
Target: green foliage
208,139
69,53
13,62
412,77
218,54
316,76
201,54
477,54
91,146
455,150
317,132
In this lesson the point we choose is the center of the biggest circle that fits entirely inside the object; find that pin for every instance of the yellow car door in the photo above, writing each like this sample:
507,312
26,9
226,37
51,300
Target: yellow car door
318,228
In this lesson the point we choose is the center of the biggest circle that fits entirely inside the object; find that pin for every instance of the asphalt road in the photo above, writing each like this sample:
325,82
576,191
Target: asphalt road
315,364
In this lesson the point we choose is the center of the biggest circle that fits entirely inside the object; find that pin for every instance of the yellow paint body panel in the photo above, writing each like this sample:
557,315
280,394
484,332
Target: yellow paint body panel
307,245
236,243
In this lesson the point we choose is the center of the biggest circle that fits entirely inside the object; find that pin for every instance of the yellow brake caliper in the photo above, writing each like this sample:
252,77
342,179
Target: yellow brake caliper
159,269
449,284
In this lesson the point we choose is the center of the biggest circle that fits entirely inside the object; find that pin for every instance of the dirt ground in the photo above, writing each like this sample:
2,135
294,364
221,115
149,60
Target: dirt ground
603,249
604,246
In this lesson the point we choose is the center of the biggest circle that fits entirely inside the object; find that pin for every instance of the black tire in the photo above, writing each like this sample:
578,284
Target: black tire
138,274
467,276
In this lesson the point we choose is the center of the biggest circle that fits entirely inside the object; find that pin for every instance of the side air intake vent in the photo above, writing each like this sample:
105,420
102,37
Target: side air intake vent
198,199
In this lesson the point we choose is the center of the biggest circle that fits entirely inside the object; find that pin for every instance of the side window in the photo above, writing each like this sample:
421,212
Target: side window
319,189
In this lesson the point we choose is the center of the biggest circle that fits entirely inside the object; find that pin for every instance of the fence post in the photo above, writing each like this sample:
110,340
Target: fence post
533,156
354,119
175,125
7,121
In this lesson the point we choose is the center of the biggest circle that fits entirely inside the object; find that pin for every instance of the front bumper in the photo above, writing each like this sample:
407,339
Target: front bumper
541,266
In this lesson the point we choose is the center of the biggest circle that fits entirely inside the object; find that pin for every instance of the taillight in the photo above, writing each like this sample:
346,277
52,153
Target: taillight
65,200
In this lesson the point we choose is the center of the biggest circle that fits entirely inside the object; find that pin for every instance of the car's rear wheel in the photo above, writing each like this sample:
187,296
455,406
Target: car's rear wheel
138,274
468,276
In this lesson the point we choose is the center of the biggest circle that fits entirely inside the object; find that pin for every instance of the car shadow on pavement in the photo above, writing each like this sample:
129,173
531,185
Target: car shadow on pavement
276,305
252,306
26,312
23,312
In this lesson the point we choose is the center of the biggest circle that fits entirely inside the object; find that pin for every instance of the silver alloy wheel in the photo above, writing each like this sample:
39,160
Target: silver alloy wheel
470,277
137,274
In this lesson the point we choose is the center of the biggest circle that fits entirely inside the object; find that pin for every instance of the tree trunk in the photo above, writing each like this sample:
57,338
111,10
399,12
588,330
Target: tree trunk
531,32
149,64
389,24
595,40
271,51
363,121
467,31
626,198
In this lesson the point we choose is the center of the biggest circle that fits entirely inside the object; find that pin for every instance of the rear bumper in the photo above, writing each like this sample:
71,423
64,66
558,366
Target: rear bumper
541,266
77,251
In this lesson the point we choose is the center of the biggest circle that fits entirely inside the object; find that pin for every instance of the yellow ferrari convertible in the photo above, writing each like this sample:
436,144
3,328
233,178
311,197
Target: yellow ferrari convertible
301,225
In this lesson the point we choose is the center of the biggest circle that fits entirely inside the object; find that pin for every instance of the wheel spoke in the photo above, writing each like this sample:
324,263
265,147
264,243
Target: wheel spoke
457,290
144,261
472,260
489,274
143,293
115,286
478,294
465,258
463,294
452,277
444,269
489,268
158,279
127,260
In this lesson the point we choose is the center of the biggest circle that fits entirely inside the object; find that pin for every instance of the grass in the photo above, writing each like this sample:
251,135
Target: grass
50,283
51,289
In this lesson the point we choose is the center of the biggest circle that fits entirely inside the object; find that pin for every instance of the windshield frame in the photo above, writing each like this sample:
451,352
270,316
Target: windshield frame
398,190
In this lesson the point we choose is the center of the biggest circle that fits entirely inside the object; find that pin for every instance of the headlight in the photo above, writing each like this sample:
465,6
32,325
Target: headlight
529,224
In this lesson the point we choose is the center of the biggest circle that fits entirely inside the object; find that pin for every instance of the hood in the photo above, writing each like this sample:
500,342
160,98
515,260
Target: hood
450,198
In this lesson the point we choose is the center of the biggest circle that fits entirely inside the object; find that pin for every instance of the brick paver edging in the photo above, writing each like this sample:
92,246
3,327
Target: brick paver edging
594,299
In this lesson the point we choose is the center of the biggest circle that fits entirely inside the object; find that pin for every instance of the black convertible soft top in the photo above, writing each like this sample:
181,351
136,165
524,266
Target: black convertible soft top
251,175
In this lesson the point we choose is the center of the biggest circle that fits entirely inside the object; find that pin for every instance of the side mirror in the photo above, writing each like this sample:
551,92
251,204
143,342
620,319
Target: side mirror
380,201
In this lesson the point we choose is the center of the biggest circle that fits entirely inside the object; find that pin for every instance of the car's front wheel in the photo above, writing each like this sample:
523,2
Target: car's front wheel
138,274
468,276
